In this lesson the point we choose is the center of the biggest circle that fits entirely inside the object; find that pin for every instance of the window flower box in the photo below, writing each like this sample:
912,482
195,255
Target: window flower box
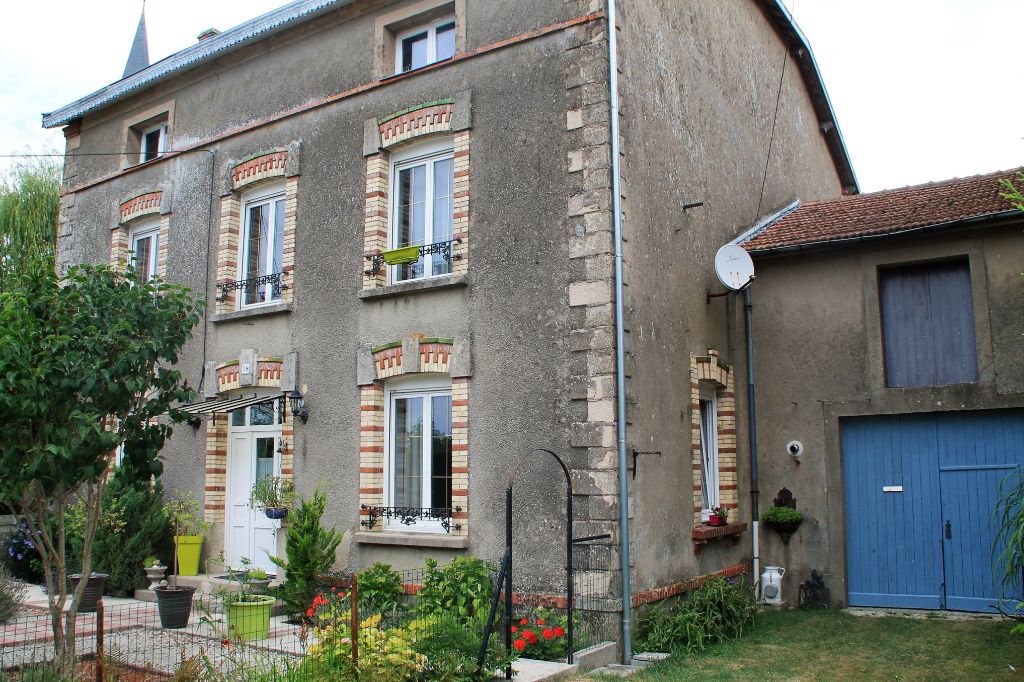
402,256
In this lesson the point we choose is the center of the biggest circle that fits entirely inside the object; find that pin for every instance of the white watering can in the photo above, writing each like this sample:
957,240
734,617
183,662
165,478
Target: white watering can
771,584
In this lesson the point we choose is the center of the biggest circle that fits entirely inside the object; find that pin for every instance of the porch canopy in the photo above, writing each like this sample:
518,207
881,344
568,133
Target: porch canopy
227,404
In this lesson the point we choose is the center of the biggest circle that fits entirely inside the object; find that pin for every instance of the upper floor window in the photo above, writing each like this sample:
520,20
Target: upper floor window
153,142
928,324
262,247
145,249
423,179
425,45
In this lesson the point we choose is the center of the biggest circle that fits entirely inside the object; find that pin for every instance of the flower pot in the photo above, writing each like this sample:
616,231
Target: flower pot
250,619
259,586
154,574
93,590
174,603
786,529
189,549
276,513
715,520
406,254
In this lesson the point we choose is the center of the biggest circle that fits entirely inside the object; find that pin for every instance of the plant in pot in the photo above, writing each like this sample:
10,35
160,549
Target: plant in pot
719,516
248,613
155,571
174,602
274,495
75,518
258,580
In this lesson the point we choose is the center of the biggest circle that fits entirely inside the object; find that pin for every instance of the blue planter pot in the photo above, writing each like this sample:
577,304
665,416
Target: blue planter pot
276,513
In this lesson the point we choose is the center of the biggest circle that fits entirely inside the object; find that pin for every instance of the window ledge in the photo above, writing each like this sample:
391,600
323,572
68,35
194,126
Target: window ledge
414,287
441,540
273,309
703,534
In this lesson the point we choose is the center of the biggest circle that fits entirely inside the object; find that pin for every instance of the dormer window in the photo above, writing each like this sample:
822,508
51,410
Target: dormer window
424,45
147,134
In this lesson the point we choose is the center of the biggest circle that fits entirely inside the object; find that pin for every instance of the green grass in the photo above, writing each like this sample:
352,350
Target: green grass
831,645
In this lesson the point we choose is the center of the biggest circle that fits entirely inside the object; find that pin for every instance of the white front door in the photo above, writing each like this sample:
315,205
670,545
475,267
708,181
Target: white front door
255,434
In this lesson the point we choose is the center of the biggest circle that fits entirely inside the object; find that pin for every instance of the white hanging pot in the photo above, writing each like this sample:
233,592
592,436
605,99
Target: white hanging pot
771,584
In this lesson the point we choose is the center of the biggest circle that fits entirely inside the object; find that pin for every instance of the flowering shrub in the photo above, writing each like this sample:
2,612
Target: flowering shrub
541,635
20,555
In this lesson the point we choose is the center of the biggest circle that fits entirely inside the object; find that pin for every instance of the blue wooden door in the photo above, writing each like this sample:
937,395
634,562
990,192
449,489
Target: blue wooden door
920,490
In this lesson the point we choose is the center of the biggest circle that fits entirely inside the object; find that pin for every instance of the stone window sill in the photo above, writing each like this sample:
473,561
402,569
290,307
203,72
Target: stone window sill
440,540
258,311
417,286
703,534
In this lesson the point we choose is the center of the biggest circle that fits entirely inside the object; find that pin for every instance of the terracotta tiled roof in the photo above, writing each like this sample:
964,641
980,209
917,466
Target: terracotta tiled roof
888,212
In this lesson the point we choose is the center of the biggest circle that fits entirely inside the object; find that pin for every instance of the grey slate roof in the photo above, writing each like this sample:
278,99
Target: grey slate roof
138,58
230,40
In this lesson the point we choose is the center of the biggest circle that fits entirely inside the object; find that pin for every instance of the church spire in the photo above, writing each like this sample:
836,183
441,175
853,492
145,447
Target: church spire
138,58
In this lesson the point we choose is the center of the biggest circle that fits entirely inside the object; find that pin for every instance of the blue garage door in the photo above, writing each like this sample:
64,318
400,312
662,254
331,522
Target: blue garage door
920,490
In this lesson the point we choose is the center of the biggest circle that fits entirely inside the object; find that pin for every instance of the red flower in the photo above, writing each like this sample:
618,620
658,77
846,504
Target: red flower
226,642
334,589
523,621
309,612
559,632
540,621
515,629
529,636
519,644
547,634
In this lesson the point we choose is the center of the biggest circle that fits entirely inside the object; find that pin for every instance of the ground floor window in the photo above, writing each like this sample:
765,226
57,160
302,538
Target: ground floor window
709,452
419,438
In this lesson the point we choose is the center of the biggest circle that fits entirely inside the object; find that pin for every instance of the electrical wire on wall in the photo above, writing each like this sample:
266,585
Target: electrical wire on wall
775,118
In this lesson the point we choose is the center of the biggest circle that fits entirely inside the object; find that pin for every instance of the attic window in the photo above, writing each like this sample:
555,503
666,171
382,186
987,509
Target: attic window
424,45
147,140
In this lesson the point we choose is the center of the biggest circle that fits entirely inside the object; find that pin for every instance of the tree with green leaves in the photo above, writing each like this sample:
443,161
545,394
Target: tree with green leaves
29,207
86,369
1013,193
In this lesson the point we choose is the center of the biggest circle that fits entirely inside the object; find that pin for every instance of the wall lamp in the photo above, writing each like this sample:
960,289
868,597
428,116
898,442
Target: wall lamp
298,405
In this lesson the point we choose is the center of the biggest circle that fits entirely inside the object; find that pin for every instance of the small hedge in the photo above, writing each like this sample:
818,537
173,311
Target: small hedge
717,610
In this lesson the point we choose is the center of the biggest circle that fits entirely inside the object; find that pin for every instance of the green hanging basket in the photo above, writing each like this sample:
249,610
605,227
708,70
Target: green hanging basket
402,256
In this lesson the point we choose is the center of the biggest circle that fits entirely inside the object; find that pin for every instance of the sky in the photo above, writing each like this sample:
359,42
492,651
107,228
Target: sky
923,89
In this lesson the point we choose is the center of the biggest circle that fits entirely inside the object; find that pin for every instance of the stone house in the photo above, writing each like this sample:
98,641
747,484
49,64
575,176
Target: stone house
887,329
408,213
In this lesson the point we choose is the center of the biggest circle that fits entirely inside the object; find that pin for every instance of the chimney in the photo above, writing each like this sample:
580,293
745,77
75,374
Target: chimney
208,33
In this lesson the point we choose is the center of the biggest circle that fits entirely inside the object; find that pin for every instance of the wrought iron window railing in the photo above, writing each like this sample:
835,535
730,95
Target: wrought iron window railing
257,285
443,249
408,516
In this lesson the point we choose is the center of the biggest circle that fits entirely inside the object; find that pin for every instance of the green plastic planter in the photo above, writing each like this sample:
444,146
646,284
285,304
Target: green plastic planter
402,256
250,619
189,549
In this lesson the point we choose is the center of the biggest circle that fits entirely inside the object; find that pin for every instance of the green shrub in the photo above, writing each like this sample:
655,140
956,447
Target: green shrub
543,635
451,646
20,555
380,588
718,610
781,515
1009,545
309,548
462,588
12,591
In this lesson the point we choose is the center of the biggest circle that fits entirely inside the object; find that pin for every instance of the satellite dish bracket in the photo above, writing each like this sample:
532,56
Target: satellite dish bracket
726,293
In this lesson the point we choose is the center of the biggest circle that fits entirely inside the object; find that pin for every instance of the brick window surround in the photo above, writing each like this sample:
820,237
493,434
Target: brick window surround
228,379
435,356
395,131
132,212
709,369
244,176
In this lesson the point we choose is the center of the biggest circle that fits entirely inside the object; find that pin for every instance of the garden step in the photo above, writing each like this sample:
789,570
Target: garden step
530,670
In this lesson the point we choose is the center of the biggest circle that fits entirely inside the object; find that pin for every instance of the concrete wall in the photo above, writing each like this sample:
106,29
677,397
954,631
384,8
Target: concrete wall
819,358
700,81
515,306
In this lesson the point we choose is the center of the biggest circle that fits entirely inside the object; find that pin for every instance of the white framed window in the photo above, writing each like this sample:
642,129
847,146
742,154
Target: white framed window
708,452
152,142
425,45
262,246
418,437
144,242
423,209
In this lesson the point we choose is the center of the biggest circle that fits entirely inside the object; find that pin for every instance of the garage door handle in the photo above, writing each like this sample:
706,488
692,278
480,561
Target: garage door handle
949,530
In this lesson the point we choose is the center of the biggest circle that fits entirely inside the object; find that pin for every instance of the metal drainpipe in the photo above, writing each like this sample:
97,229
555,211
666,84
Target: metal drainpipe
620,352
748,309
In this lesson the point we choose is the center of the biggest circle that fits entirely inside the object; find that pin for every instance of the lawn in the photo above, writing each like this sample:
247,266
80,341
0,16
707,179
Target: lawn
832,645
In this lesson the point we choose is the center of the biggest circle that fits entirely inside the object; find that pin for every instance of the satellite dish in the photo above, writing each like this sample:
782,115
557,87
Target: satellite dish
733,266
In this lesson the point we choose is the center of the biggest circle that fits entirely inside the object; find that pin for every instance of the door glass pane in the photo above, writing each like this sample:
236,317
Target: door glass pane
441,451
446,41
444,180
262,414
414,51
264,457
412,191
255,251
407,417
238,418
